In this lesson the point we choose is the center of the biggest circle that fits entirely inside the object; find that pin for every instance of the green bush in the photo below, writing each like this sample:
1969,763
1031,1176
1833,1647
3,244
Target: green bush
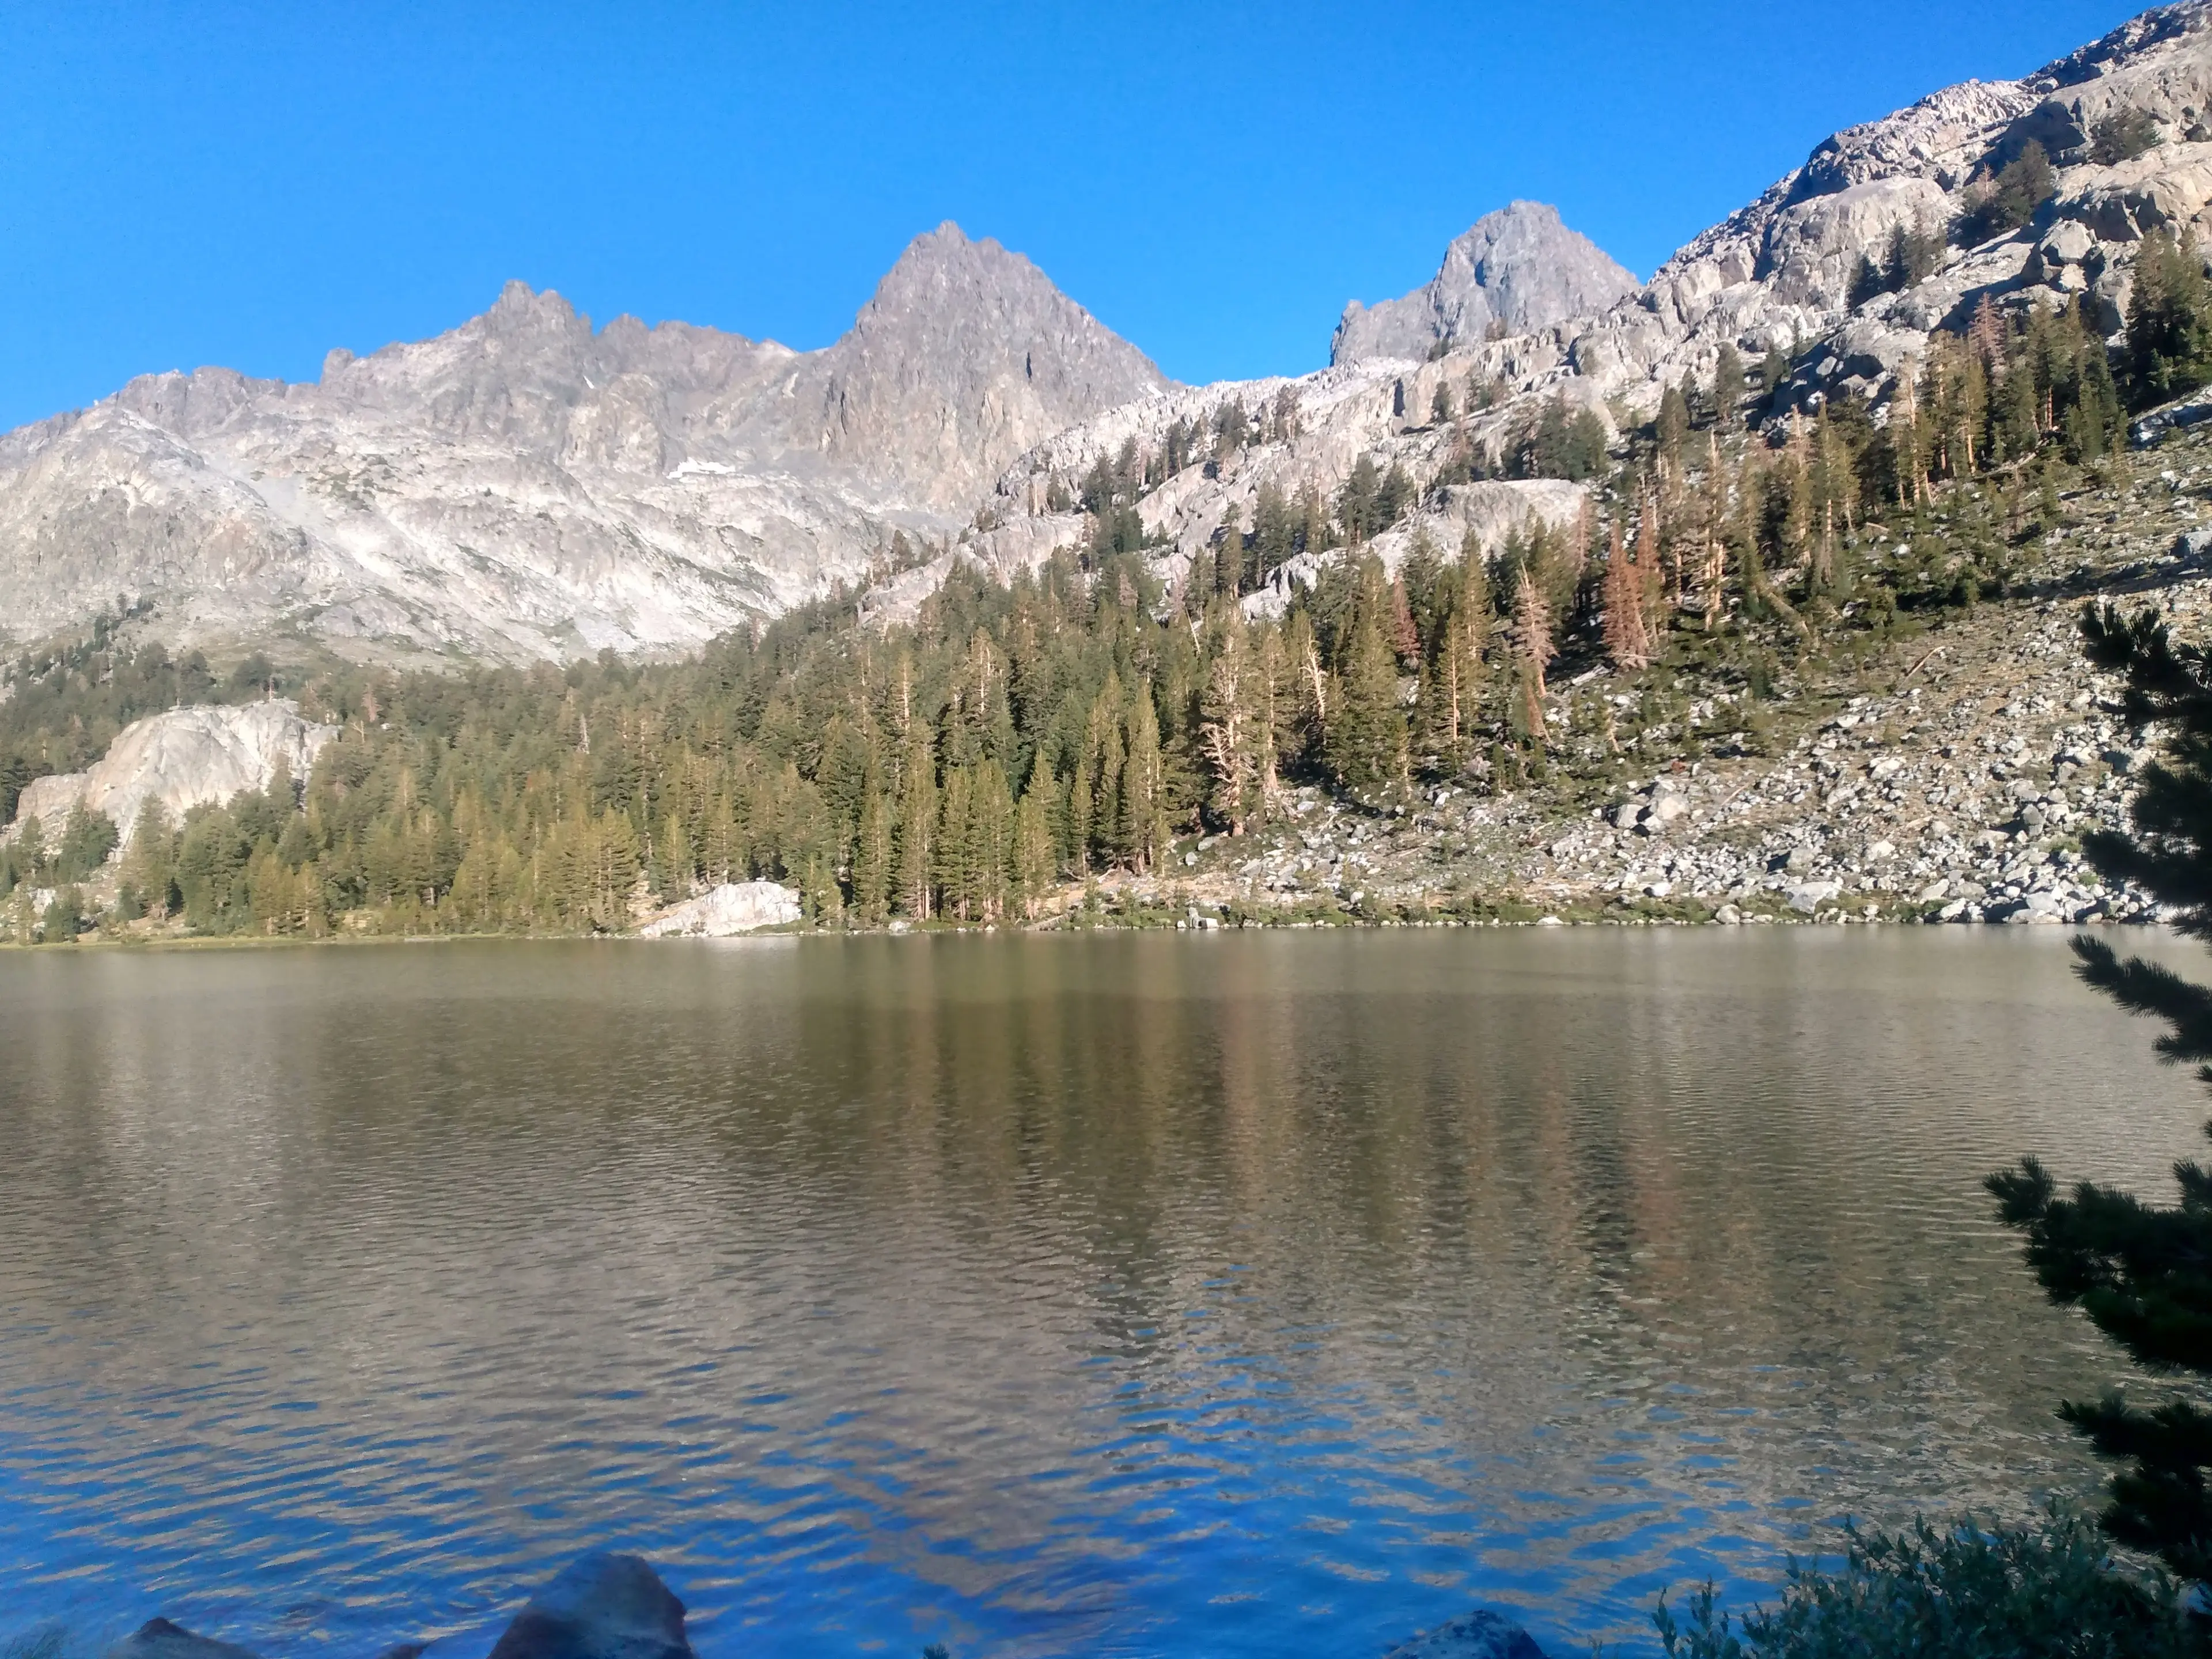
2046,1588
2011,198
2121,136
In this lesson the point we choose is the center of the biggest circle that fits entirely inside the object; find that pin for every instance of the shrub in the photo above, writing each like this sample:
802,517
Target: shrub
2121,136
2045,1589
2009,200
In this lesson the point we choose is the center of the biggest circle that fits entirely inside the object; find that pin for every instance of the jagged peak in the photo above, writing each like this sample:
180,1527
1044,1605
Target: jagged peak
1520,266
2144,30
520,308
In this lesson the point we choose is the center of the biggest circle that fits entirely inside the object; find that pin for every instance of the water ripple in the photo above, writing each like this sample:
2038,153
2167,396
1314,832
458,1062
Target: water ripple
1039,1296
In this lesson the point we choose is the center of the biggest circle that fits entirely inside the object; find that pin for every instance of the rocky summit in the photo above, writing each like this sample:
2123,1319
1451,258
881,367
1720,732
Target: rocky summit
526,488
1515,271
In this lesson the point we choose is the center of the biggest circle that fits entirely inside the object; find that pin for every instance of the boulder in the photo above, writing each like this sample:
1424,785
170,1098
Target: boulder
157,1638
604,1606
1809,895
1482,1634
720,912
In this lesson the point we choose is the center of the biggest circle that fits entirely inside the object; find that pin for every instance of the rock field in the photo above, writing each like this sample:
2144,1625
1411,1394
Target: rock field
1949,777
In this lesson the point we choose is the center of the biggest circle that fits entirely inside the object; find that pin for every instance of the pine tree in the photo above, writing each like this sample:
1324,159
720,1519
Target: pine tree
1452,676
2169,325
1865,283
1366,737
991,843
2143,1274
1727,387
1144,792
1226,731
915,843
1672,424
872,858
952,872
1272,532
1531,651
1627,636
1034,862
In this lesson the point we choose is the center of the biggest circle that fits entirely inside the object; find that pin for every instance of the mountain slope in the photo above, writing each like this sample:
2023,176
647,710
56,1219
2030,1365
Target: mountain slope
523,487
1777,275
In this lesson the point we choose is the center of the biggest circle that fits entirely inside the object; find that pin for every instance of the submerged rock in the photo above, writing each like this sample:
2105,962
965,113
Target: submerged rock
602,1606
157,1638
1482,1634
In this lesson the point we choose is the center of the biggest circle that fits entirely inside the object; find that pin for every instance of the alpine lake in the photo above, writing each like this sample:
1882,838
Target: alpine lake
1231,1294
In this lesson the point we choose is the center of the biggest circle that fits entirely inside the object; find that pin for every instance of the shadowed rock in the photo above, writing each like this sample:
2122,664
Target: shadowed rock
601,1606
157,1638
1481,1634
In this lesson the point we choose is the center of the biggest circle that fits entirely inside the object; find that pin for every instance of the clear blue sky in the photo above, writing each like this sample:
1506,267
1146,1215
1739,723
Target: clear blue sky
250,184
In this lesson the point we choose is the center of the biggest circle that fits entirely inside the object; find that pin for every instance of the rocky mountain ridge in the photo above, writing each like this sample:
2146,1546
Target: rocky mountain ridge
1774,277
524,487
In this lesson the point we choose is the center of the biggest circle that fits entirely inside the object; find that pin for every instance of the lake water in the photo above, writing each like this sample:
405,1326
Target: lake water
1261,1293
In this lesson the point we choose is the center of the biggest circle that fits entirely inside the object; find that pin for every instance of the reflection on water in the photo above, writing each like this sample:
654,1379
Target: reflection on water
1225,1294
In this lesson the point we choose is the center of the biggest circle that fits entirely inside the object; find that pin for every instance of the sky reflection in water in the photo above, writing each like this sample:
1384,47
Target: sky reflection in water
1123,1295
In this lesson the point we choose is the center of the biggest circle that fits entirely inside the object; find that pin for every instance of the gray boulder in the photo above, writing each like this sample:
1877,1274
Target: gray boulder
157,1638
602,1606
1809,895
1482,1634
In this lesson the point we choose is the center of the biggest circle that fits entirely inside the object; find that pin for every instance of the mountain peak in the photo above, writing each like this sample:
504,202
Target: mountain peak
965,357
1519,267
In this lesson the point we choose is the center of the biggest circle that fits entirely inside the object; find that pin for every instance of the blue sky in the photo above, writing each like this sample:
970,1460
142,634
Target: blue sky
251,185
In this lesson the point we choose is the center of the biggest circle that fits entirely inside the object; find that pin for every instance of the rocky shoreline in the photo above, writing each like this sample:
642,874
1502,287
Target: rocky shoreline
608,1605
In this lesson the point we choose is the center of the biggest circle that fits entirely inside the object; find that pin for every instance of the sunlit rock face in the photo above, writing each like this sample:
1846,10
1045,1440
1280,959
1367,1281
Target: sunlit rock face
181,759
524,488
1513,271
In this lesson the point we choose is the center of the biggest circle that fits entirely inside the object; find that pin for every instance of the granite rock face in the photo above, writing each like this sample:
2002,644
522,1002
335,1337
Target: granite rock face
723,912
966,357
602,1606
1519,269
1779,270
185,758
1527,312
524,488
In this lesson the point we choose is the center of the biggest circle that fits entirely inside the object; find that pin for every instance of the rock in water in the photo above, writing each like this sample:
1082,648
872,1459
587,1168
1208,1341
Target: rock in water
602,1607
157,1638
1481,1634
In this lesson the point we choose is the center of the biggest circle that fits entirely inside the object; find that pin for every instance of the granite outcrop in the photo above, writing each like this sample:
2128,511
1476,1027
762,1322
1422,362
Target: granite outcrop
180,759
